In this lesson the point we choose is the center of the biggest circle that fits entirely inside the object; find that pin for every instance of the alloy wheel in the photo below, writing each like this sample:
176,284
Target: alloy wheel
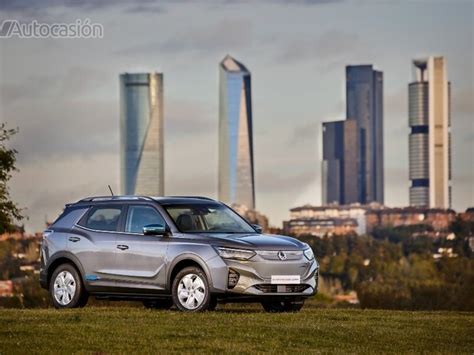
191,291
64,288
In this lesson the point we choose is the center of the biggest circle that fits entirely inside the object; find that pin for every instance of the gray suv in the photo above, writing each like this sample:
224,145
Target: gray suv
190,252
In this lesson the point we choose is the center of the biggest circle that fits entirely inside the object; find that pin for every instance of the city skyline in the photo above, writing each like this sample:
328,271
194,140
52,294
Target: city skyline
71,148
236,182
430,137
141,134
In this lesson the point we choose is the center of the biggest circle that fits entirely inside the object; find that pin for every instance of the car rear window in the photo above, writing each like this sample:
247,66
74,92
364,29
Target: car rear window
103,218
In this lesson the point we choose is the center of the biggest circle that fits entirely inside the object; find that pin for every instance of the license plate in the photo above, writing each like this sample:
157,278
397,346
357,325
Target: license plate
285,279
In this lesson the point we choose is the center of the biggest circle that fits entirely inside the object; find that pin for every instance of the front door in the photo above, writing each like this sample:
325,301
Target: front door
141,258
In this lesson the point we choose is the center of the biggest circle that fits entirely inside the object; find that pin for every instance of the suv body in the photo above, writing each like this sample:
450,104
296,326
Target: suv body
165,250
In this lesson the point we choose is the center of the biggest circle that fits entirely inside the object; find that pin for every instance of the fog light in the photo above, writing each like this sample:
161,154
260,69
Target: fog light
233,278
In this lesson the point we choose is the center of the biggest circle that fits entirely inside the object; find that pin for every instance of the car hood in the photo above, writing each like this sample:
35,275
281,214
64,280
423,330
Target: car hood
253,241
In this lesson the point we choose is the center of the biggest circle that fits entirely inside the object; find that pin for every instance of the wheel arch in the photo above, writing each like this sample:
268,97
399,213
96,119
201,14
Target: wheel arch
64,258
185,260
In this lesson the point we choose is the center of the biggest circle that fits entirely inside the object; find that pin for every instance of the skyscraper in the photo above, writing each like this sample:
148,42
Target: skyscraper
340,162
364,104
430,138
141,134
236,182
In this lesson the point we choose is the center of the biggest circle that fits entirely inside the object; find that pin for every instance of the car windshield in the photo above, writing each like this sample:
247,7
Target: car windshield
208,218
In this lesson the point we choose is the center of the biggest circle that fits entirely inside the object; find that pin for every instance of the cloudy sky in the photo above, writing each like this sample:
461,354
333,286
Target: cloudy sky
63,93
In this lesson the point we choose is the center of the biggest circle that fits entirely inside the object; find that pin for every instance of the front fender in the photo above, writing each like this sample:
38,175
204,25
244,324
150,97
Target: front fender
188,256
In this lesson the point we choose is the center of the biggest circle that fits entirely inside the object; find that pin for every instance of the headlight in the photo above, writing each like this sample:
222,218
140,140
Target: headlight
238,254
309,253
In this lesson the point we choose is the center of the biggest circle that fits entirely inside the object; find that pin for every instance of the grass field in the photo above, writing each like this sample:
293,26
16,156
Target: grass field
242,329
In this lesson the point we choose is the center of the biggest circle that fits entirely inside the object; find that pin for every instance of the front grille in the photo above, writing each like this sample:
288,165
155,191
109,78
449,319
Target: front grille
288,254
270,288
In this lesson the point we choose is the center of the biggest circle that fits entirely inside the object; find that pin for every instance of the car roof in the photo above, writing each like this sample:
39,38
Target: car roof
165,200
183,199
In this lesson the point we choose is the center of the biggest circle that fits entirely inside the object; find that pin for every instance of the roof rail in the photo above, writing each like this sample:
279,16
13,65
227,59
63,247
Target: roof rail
196,197
115,198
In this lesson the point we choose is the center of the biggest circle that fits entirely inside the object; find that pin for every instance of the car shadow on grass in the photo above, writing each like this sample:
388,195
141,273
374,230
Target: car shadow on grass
239,308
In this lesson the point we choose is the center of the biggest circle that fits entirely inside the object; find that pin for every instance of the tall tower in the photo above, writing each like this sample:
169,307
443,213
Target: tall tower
364,96
236,182
430,138
340,161
141,134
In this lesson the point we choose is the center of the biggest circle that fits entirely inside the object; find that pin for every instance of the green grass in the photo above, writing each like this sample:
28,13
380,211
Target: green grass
234,329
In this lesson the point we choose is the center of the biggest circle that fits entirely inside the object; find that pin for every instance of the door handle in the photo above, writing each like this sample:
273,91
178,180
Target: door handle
74,239
122,247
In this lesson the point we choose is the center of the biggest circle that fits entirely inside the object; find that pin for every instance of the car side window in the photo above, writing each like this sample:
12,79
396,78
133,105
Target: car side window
141,216
104,218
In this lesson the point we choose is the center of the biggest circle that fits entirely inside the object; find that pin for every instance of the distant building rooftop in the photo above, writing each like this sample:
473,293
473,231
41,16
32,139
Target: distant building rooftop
334,207
324,221
375,207
412,209
231,64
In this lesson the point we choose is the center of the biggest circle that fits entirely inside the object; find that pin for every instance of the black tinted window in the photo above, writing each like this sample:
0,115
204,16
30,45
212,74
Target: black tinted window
104,218
141,216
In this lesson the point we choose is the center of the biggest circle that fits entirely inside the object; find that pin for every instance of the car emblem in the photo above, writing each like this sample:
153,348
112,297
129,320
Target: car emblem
281,255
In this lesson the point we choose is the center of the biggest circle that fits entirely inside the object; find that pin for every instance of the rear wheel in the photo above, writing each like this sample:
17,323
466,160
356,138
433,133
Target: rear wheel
158,304
283,306
191,290
66,289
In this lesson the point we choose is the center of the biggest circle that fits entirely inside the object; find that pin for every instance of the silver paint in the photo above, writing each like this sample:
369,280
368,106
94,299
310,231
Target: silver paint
148,263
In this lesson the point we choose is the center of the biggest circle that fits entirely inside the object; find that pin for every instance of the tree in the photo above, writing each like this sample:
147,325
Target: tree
9,211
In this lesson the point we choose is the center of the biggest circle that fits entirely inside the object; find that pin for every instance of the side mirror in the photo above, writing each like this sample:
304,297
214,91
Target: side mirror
154,229
257,228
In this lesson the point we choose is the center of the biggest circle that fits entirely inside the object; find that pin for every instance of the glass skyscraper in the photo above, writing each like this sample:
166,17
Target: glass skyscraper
141,134
340,162
236,184
364,104
430,137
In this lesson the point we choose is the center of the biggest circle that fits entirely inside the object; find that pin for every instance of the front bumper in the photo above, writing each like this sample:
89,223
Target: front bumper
255,276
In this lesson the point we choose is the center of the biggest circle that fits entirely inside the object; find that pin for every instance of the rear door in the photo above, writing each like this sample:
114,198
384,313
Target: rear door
94,243
141,258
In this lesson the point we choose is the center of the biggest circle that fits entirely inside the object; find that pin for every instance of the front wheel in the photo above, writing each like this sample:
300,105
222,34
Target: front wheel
282,306
66,288
191,290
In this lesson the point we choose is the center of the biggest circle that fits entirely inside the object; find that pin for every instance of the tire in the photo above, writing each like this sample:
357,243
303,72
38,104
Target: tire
190,290
212,303
282,306
66,288
158,304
